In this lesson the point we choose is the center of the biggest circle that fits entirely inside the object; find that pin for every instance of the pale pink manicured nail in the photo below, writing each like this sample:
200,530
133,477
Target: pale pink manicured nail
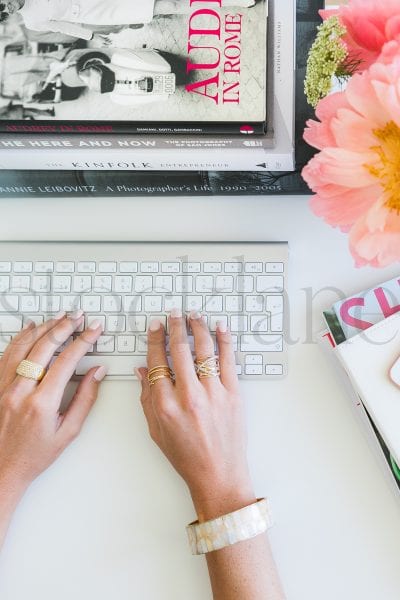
95,324
176,313
77,314
155,325
100,373
222,327
195,315
60,315
28,323
138,374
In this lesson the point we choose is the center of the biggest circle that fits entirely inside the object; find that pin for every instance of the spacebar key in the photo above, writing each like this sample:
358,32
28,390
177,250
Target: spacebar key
116,365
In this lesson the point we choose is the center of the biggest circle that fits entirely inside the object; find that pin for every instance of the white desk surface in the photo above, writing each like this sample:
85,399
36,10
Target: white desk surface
107,520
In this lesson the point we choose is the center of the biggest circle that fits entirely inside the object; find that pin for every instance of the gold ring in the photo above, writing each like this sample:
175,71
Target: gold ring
159,372
31,370
207,367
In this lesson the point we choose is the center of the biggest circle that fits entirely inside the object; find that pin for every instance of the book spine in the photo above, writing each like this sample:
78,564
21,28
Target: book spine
138,128
104,159
37,183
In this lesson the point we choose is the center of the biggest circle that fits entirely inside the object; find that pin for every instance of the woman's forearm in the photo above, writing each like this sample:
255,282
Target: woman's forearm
244,571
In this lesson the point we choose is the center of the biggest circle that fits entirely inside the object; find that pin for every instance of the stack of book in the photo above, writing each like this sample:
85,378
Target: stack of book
363,335
201,101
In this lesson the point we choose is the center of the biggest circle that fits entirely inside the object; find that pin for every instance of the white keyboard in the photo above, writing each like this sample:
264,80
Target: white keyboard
125,285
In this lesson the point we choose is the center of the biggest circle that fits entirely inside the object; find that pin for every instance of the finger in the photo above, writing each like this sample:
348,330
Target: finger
227,359
156,357
147,404
181,355
21,345
23,342
81,404
43,350
65,364
203,346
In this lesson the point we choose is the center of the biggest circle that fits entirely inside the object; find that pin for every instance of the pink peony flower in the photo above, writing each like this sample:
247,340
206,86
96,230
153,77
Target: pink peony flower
356,176
370,25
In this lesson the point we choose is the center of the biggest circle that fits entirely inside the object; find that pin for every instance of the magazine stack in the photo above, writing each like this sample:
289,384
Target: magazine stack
175,97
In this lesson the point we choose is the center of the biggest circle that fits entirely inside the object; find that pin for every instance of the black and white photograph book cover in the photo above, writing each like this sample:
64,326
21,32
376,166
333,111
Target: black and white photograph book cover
146,66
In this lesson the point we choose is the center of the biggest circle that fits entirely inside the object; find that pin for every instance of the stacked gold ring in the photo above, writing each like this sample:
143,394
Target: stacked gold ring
207,367
159,372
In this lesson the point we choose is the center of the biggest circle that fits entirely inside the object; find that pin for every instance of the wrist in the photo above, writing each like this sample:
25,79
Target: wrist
12,488
221,499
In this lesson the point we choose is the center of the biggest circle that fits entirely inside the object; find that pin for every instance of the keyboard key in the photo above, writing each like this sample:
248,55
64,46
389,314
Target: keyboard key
191,267
82,283
112,303
254,303
171,267
44,267
245,284
143,283
194,303
5,267
128,267
274,370
107,267
238,323
65,267
274,267
204,283
21,283
253,370
163,284
41,283
4,283
254,359
149,267
269,283
102,283
171,302
214,304
10,323
123,284
153,303
62,284
136,323
8,303
142,344
259,324
4,341
30,304
71,303
261,343
132,304
115,324
233,267
253,267
212,267
215,319
234,303
224,284
105,343
126,343
91,318
86,267
274,305
116,365
184,284
23,267
91,303
50,304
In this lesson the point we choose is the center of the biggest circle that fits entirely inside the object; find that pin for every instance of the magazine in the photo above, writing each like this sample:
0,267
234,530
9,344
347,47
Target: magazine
95,66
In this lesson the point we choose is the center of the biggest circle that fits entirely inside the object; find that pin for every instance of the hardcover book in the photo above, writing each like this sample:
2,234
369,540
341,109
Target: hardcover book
95,66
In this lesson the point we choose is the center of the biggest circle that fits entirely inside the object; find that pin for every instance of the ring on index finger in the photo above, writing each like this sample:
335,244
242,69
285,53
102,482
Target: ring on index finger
207,367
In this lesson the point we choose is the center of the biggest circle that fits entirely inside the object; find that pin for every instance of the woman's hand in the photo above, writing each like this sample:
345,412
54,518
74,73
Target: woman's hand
101,39
199,423
33,433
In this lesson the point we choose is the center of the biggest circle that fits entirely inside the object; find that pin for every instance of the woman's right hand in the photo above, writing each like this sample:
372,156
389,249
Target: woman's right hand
199,423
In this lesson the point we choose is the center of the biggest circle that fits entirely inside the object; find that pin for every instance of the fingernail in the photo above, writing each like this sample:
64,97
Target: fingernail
222,327
28,323
138,374
100,373
155,325
59,315
77,314
176,313
95,324
195,315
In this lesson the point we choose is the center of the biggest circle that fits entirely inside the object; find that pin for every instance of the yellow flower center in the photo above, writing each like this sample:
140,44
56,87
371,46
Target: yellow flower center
388,168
